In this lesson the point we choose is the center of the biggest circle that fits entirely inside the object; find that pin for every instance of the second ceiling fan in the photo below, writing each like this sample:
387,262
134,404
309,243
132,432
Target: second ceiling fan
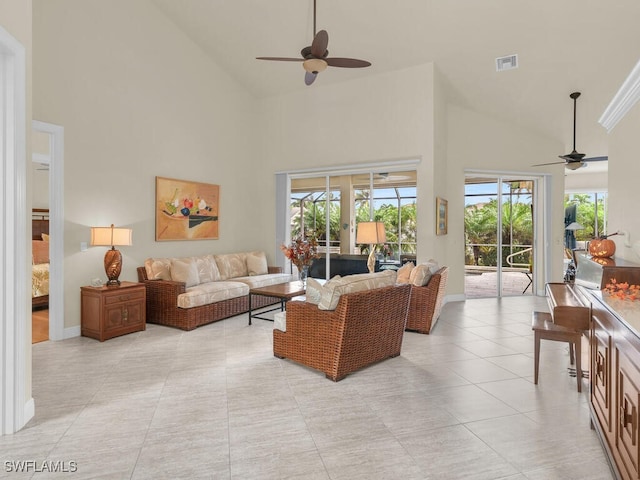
315,58
575,160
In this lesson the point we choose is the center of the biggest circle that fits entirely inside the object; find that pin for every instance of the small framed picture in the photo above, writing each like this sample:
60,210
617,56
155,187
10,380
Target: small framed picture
441,216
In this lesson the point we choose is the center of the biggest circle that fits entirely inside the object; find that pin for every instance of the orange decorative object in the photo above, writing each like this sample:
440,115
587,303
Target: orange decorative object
602,248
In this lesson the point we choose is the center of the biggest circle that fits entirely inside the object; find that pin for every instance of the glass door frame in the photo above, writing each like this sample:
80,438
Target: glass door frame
540,218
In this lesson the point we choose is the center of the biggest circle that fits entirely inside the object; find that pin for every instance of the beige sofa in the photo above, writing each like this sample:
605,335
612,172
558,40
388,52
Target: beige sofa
187,292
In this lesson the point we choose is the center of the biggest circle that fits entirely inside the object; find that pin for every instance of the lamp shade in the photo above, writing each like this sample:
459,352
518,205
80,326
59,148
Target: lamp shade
111,236
574,226
371,232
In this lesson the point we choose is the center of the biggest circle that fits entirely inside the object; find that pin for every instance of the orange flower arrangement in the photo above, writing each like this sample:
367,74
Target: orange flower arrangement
302,251
622,290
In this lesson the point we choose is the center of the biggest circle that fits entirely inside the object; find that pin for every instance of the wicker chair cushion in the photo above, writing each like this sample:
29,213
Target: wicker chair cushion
333,290
231,265
313,291
257,263
280,321
185,270
158,268
404,273
422,272
211,292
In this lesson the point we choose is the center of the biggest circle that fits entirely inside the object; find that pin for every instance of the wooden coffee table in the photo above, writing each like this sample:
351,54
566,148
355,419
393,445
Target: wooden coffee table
283,291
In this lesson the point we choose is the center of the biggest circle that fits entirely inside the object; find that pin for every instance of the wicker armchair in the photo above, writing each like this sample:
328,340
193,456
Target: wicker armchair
365,327
426,302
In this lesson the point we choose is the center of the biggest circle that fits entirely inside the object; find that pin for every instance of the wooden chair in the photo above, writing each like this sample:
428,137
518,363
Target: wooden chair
544,329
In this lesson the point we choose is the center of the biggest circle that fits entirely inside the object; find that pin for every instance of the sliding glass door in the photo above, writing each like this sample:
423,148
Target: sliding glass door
499,236
329,207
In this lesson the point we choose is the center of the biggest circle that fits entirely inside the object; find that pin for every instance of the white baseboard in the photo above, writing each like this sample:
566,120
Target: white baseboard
461,297
71,332
29,410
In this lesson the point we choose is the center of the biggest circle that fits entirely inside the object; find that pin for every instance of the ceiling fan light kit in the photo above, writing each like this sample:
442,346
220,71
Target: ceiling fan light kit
314,65
315,57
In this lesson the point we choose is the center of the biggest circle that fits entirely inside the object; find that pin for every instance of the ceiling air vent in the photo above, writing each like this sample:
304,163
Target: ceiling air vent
506,63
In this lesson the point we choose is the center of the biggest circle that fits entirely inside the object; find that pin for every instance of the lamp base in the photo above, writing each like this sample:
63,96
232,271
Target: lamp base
113,266
371,261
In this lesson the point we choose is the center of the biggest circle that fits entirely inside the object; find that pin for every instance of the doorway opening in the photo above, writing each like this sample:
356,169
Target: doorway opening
499,236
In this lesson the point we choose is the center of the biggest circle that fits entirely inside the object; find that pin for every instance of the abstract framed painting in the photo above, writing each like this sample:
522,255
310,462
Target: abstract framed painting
186,210
441,216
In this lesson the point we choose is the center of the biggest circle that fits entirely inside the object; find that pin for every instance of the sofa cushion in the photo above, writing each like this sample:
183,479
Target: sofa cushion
333,290
257,263
211,292
404,273
314,291
185,270
422,272
158,268
258,281
231,265
280,321
207,269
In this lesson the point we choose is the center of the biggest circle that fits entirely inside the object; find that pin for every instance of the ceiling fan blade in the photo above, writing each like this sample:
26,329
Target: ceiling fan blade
545,164
281,59
319,44
309,78
347,62
596,159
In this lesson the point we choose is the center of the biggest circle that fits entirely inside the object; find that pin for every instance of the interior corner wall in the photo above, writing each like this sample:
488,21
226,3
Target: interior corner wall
624,171
377,118
479,142
137,101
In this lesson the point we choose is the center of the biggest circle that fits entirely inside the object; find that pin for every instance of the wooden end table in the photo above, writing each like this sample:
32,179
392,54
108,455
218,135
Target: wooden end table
283,291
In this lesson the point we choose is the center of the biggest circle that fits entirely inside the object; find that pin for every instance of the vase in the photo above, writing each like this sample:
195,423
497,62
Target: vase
303,273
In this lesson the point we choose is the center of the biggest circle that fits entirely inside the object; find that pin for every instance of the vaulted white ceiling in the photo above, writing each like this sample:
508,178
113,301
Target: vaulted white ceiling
563,46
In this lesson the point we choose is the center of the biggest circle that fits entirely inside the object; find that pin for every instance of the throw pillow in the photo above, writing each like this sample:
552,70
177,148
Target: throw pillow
314,291
257,263
45,237
40,252
185,270
207,269
404,272
158,268
421,274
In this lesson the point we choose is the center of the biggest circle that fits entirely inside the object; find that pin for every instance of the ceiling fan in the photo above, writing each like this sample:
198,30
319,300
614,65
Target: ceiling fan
315,58
575,160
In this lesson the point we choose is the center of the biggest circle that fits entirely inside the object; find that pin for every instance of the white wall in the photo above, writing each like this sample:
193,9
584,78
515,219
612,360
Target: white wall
479,142
624,172
377,118
136,102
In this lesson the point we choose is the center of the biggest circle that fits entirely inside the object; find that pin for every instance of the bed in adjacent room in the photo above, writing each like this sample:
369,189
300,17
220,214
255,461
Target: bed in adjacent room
40,258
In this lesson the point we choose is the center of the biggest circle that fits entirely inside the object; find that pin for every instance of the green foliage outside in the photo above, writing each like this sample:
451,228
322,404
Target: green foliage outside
315,221
586,215
481,240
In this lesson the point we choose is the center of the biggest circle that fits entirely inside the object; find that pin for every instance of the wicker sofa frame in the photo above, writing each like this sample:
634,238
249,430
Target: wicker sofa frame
366,327
162,304
426,302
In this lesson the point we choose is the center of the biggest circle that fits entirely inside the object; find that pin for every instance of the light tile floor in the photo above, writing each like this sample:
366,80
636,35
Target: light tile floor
214,403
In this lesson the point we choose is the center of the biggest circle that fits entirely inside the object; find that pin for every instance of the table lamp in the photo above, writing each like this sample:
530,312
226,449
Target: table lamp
111,236
372,233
